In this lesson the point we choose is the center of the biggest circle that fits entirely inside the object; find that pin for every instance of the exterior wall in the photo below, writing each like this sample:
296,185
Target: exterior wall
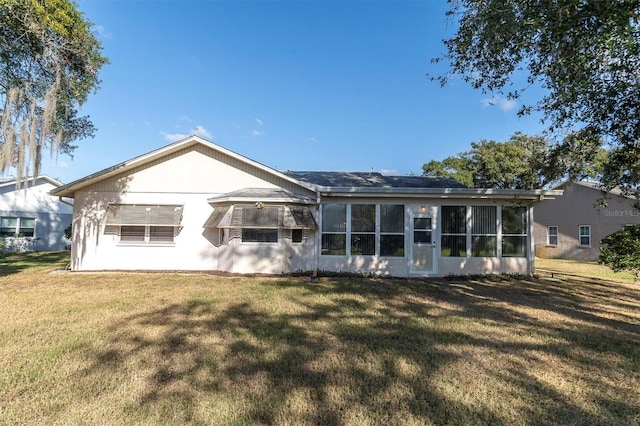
271,258
482,265
442,266
51,215
187,178
580,205
191,176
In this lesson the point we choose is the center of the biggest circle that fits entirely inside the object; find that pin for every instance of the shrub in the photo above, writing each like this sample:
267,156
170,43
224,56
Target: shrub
68,232
621,250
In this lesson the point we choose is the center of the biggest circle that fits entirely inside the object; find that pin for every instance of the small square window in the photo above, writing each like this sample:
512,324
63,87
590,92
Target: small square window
296,235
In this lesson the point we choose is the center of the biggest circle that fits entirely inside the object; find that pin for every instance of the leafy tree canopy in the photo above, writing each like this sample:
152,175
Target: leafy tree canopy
585,54
49,63
522,162
621,250
458,168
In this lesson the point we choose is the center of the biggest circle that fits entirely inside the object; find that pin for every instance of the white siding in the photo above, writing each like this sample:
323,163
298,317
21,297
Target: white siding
34,201
401,266
188,178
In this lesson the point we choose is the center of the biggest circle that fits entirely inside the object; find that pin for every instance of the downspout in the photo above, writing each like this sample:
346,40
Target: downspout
73,249
318,245
64,202
532,245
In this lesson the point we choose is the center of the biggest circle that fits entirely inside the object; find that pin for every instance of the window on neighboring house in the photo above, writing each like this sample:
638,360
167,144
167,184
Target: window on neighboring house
552,235
484,236
334,229
363,229
453,241
585,236
143,223
17,227
514,231
392,230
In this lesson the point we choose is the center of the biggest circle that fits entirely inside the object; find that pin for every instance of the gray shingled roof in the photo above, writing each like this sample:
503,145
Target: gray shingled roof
372,180
265,194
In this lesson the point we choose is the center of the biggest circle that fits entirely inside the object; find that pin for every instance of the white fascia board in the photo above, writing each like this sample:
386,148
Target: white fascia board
266,200
31,181
444,193
69,189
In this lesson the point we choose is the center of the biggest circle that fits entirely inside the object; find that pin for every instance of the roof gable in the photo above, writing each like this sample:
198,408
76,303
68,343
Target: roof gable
30,182
156,155
595,187
348,184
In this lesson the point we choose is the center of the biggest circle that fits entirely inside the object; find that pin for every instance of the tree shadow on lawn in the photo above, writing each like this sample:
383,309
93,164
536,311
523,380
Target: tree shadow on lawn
350,351
13,263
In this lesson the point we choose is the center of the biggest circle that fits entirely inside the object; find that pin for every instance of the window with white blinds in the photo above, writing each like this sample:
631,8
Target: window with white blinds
484,231
145,223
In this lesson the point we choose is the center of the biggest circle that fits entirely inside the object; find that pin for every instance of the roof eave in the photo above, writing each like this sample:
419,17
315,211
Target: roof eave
256,199
455,193
31,180
69,189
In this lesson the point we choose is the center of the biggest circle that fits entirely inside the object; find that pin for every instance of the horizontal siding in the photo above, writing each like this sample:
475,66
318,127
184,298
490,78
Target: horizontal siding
197,169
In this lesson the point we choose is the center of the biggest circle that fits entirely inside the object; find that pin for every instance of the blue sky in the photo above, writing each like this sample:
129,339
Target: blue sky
295,85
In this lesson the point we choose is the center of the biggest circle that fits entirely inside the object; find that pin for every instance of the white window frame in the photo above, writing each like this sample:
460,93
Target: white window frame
355,232
587,235
465,234
297,236
337,230
146,218
18,228
550,235
270,230
147,236
379,233
390,233
523,234
484,228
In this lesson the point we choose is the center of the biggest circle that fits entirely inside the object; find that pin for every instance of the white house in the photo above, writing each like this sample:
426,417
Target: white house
194,205
30,218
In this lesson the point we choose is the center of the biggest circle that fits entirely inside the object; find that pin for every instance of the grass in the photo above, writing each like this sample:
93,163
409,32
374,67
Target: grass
563,267
118,348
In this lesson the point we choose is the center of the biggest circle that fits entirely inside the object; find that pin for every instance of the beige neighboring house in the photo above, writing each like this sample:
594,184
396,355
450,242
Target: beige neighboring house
571,226
194,205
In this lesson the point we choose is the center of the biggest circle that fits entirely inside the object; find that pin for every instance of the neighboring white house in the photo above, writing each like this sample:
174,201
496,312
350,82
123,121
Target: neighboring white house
30,218
194,205
572,226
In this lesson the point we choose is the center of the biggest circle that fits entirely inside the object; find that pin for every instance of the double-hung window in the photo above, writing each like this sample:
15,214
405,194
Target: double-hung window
17,227
484,236
392,230
372,229
585,235
144,223
552,235
514,231
334,229
259,225
453,242
363,229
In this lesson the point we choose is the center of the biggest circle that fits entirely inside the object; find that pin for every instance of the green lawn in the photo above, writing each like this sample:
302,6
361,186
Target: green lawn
116,348
564,268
